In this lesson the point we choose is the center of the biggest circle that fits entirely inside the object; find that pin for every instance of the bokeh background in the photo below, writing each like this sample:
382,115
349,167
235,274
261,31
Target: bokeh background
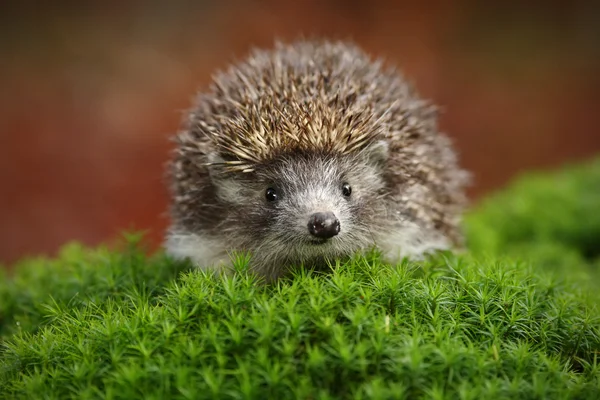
91,91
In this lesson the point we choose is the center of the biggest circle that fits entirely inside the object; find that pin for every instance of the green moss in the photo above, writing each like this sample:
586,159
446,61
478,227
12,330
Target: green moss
561,208
512,318
551,219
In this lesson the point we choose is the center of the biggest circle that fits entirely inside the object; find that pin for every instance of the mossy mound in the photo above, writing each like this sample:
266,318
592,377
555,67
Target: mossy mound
547,217
508,320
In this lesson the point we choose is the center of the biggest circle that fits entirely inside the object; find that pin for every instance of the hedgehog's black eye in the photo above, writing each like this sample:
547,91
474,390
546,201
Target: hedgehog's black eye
271,194
346,189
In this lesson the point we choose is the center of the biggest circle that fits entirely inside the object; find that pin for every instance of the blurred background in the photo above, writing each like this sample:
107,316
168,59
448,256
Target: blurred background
90,93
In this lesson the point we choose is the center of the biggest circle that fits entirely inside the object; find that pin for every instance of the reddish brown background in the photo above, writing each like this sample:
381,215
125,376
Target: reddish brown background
90,93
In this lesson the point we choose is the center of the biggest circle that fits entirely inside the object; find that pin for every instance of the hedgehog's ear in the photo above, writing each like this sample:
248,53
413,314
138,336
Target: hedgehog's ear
215,166
228,187
377,153
214,158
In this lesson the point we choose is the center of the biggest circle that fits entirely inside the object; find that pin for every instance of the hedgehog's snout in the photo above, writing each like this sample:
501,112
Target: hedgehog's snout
323,225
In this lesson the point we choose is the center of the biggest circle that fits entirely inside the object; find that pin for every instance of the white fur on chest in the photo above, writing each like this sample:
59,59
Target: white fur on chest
211,253
410,241
204,252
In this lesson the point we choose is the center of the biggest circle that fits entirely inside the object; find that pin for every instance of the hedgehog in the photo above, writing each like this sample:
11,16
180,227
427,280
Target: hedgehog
307,153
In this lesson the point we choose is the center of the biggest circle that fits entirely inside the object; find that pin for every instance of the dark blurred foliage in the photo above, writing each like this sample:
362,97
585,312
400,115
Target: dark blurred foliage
91,92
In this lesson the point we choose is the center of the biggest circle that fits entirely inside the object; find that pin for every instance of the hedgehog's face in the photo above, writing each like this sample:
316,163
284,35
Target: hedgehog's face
307,202
309,206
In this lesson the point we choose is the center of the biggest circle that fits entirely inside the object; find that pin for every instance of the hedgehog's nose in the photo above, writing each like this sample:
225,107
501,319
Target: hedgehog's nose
323,225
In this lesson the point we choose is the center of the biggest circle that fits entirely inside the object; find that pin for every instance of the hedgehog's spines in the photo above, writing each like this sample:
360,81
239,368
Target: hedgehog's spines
263,93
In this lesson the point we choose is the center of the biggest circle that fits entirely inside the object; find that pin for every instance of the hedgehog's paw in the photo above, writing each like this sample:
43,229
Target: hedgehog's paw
410,242
206,253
